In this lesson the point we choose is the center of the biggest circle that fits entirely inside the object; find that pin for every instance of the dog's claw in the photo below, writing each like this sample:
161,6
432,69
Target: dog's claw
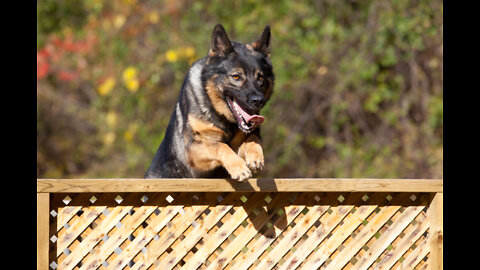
244,176
256,165
254,158
240,171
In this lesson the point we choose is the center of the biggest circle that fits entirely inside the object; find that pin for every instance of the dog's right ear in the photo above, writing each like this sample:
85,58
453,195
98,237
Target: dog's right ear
263,43
220,45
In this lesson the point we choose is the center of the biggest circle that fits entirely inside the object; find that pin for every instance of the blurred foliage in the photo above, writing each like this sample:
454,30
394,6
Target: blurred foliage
358,93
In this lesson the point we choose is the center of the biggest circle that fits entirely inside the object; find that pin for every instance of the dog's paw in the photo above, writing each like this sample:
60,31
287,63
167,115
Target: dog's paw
238,170
254,158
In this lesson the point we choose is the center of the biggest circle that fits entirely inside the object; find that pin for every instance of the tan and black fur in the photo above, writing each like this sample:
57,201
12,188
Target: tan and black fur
204,137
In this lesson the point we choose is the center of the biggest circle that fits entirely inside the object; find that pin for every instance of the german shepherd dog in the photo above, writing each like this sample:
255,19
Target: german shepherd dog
214,130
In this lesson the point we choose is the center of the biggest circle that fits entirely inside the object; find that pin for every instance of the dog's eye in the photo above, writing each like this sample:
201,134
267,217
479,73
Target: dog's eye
236,77
260,77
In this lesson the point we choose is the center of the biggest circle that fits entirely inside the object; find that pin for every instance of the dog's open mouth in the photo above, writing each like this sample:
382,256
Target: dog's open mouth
246,122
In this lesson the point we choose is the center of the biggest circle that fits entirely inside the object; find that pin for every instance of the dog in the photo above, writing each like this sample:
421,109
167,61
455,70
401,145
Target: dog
214,129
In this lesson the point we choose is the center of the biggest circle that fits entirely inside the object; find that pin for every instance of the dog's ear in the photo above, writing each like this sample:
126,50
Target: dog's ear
263,43
220,45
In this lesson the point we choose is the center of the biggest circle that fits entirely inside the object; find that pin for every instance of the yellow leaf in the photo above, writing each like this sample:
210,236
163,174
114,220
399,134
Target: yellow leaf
119,21
132,85
130,133
153,17
106,87
128,136
129,73
109,138
111,119
172,56
67,31
322,70
189,52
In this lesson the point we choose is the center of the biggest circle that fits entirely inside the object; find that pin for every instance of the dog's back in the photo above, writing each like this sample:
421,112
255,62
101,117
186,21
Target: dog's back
170,159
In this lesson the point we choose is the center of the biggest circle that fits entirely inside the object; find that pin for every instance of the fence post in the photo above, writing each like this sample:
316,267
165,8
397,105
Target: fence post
435,213
43,202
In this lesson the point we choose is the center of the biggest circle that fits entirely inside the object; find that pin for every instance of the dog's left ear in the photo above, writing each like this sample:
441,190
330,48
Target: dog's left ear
263,43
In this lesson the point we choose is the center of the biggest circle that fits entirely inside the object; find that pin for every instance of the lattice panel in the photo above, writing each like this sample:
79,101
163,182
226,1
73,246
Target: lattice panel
245,230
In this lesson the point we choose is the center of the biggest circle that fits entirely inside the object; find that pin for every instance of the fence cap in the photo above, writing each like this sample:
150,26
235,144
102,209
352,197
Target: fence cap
227,185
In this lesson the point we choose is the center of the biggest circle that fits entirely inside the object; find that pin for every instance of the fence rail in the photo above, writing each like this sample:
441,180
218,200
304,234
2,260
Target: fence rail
257,224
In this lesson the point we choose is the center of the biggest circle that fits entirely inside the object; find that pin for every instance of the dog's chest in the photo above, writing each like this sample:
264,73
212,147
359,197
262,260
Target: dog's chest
238,138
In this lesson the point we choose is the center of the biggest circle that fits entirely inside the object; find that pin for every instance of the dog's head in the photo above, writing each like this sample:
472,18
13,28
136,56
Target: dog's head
239,78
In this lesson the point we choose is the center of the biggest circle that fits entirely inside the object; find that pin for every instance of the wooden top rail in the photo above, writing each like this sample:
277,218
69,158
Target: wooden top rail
225,185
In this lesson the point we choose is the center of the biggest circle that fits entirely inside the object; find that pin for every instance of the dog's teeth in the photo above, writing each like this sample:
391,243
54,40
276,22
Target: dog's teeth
235,107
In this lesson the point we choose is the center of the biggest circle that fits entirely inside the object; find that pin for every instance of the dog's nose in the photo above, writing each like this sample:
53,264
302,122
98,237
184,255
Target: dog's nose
258,100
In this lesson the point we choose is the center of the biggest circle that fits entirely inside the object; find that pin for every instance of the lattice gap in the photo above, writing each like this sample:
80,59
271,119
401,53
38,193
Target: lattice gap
241,230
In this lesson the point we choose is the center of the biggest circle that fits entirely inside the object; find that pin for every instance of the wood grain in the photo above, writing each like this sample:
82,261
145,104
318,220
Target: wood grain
43,202
435,213
226,185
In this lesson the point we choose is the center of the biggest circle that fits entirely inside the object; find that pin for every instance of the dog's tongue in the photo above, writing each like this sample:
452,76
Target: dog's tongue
255,119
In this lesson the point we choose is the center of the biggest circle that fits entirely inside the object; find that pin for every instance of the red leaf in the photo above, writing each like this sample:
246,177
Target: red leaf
42,65
66,75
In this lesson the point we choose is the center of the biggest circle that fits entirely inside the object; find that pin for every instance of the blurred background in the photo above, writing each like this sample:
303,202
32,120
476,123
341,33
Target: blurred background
358,89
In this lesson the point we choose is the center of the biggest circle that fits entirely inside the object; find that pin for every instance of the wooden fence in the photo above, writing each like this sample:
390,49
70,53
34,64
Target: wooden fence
222,224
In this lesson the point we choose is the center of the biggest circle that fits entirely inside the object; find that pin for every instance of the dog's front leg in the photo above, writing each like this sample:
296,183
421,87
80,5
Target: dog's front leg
206,156
251,151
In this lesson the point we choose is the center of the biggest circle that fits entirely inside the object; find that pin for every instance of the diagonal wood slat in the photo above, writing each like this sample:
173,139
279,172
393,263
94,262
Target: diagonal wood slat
194,236
129,224
68,211
317,236
366,233
245,230
100,231
291,212
157,247
404,244
65,214
293,236
351,222
170,235
145,236
93,238
248,233
417,255
388,236
211,242
67,236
